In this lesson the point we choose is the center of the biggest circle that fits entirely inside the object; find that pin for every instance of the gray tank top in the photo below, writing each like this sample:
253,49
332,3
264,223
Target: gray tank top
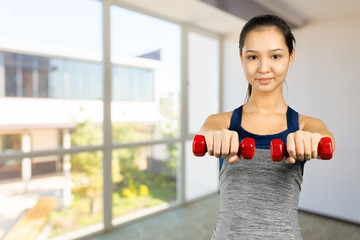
259,198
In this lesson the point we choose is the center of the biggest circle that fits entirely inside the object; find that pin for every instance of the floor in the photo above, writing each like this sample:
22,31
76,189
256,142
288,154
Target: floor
197,221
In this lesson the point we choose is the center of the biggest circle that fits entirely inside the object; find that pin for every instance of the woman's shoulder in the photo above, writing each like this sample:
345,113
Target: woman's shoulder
216,121
223,119
221,116
307,121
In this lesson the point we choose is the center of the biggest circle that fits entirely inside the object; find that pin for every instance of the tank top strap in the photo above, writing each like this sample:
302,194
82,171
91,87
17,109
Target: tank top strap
235,123
292,119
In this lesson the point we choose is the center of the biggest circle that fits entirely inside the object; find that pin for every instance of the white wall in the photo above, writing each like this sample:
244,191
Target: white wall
235,83
324,82
327,73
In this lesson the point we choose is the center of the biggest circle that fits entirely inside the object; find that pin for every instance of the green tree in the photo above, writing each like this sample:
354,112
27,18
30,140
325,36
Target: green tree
87,166
124,160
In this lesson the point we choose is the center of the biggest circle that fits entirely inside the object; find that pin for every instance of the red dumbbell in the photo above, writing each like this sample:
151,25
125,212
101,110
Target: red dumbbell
278,149
246,147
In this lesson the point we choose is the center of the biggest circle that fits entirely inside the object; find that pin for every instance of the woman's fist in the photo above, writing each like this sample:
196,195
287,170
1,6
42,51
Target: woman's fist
223,143
302,145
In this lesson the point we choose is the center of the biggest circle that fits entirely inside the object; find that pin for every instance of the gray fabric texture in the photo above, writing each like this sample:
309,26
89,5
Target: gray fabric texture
259,199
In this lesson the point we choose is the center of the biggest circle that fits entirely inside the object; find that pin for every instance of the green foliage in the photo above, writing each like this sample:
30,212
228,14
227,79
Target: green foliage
131,132
124,158
86,167
129,182
133,187
86,134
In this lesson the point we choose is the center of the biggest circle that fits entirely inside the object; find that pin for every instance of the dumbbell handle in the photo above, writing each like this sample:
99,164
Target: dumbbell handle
246,147
279,151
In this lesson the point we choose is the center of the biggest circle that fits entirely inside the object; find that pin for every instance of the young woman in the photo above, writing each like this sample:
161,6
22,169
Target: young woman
258,197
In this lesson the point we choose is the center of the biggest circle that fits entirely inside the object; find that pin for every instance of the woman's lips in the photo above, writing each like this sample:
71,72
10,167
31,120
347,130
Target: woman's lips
264,80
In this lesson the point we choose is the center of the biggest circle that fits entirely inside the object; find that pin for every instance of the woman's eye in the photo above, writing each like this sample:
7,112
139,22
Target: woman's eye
276,56
252,57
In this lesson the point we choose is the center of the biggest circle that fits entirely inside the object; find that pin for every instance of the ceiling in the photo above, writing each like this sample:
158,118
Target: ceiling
227,16
313,10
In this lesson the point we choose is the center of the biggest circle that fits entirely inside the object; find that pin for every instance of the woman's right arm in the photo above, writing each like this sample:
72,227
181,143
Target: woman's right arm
220,141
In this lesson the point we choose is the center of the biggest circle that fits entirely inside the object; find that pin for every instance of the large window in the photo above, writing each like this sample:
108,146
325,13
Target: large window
97,132
146,107
51,98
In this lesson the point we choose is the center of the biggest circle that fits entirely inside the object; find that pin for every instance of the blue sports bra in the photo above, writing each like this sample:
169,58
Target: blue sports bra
263,141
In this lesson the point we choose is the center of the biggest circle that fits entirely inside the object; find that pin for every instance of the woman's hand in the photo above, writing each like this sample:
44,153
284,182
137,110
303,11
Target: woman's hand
302,145
222,143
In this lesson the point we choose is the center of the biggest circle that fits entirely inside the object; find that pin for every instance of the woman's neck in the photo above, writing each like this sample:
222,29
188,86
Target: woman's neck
266,103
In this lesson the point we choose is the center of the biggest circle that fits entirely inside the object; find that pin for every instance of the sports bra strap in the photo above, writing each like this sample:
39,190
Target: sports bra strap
292,119
235,122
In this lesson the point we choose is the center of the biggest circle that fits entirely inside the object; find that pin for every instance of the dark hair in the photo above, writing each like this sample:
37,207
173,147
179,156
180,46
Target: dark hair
266,21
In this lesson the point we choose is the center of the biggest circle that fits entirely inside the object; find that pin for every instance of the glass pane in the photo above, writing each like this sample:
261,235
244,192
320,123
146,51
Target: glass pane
44,70
145,77
143,177
203,79
201,174
57,80
84,80
51,71
27,68
50,23
10,67
70,188
134,84
51,96
10,142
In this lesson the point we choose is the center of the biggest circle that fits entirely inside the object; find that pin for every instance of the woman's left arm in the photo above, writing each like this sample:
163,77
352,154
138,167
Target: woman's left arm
302,144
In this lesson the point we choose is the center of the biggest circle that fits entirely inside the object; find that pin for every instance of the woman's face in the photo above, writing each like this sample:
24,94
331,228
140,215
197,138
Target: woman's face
265,59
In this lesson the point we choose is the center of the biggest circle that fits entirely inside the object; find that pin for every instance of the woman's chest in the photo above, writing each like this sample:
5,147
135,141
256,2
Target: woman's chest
264,124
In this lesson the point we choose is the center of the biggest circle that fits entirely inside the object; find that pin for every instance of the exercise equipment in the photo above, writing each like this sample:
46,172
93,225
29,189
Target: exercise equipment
246,147
278,149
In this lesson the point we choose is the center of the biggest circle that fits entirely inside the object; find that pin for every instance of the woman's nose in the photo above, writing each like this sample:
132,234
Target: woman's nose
264,66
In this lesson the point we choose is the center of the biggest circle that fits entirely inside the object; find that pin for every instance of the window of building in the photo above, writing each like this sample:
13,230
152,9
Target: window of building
43,76
33,76
57,82
132,84
10,142
83,80
11,80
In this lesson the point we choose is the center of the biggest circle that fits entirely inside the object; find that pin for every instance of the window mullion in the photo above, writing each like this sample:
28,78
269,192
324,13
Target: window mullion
107,191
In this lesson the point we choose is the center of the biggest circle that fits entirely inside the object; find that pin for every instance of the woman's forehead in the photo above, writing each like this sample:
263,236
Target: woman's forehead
264,38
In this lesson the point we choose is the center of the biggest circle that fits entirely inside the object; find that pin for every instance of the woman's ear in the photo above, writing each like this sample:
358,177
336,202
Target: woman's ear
241,57
292,56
